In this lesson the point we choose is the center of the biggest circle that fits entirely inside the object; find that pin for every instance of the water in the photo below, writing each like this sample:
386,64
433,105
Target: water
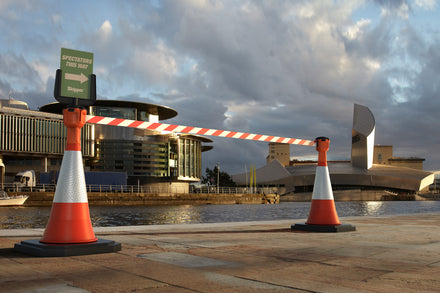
105,216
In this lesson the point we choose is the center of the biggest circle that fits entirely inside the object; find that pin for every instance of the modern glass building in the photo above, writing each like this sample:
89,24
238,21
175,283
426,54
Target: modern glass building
36,140
32,140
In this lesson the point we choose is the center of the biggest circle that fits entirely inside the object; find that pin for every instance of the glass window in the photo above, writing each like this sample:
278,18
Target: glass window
144,116
114,112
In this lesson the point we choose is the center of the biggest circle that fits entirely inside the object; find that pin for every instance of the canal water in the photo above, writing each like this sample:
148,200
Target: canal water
105,216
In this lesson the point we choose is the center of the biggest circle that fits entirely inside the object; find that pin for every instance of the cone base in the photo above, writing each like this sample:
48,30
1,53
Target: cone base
323,228
323,212
69,223
36,248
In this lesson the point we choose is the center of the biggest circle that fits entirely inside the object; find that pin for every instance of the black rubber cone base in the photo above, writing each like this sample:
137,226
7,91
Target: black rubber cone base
36,248
323,228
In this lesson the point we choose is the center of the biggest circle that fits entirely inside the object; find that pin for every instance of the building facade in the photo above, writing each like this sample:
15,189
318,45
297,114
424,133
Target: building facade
279,151
383,154
35,140
360,173
32,140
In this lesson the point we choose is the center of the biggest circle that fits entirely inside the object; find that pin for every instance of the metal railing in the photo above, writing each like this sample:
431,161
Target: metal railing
234,190
9,187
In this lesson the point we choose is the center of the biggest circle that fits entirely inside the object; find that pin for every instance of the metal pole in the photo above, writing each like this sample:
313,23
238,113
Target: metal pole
218,176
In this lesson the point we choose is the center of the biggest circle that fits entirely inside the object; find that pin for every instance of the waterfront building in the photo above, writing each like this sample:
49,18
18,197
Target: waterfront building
280,152
166,160
383,154
370,168
33,140
435,186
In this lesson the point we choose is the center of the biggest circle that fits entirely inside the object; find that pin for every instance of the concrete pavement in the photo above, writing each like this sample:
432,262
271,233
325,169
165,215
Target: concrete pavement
385,254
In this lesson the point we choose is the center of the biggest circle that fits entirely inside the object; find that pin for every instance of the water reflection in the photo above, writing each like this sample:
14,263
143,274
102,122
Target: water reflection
177,215
22,217
373,207
362,208
144,215
104,216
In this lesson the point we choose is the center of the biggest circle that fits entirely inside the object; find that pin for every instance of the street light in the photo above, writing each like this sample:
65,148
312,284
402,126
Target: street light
218,177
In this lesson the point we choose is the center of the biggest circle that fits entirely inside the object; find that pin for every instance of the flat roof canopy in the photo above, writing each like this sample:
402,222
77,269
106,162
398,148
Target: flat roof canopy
162,111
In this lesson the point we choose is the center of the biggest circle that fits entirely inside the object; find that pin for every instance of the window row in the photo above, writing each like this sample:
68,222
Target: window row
38,135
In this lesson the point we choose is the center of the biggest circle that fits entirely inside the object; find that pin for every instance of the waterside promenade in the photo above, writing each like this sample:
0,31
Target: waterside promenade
385,254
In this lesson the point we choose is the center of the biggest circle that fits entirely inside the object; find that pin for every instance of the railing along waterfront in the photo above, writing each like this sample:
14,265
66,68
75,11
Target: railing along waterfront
148,189
234,190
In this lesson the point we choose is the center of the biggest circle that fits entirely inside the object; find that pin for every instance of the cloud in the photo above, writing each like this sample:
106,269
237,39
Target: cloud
315,63
292,69
289,70
18,72
400,8
156,64
426,4
105,30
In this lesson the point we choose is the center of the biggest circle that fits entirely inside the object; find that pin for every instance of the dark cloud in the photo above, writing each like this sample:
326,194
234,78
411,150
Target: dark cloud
15,69
411,126
298,76
5,88
392,4
293,69
197,111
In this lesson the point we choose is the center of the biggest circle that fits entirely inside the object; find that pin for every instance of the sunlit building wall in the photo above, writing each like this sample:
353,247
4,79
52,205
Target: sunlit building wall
190,158
35,140
383,154
279,151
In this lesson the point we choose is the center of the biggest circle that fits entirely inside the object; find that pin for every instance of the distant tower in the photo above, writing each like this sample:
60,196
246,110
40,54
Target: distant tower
362,136
279,151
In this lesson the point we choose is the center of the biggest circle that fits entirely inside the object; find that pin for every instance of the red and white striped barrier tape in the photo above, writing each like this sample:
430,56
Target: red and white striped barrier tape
193,130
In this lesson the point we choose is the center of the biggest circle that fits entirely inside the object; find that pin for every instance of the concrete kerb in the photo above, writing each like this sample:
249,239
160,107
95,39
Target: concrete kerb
248,225
257,225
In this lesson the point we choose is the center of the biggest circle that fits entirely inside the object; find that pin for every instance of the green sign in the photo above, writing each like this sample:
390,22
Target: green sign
77,68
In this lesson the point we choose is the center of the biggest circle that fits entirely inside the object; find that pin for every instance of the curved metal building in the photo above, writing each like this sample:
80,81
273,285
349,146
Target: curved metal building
360,173
362,137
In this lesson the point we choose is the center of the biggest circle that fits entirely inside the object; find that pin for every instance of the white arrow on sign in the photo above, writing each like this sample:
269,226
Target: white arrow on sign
77,77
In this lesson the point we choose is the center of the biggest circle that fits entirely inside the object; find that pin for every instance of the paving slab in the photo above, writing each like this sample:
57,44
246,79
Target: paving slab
398,253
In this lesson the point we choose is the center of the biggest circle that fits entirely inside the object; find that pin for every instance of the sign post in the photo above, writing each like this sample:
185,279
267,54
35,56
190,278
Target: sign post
76,67
75,83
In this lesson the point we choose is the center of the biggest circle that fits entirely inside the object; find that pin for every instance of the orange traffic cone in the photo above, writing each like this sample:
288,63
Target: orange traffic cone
323,216
69,230
69,221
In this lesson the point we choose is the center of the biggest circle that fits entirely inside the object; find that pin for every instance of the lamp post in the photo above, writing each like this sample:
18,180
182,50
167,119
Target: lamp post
218,177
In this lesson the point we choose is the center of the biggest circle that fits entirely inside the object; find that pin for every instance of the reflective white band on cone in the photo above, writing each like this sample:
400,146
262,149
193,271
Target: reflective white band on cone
72,187
322,188
323,210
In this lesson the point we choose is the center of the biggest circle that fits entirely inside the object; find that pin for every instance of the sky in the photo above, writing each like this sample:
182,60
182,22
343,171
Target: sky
283,68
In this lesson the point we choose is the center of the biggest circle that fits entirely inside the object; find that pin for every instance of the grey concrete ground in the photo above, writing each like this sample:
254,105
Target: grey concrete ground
385,254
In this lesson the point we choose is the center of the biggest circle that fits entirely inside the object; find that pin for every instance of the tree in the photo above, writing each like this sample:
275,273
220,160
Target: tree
210,178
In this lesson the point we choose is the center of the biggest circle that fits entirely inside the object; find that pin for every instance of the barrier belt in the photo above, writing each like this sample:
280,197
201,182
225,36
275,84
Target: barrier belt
193,130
